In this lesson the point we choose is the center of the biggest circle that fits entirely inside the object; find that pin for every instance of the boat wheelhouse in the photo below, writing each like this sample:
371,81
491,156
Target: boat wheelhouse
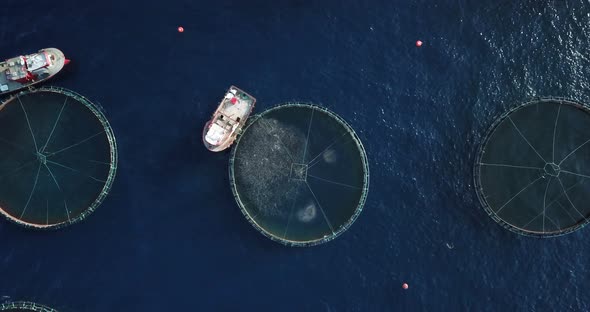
229,118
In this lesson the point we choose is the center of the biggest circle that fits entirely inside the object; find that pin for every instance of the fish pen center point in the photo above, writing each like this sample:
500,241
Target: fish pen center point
42,157
298,172
552,169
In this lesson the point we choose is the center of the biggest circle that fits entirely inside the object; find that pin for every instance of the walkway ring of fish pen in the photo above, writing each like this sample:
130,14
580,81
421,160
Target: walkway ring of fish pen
25,306
363,156
96,110
585,108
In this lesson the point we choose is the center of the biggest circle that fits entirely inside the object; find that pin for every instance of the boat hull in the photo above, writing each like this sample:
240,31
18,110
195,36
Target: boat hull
228,120
42,74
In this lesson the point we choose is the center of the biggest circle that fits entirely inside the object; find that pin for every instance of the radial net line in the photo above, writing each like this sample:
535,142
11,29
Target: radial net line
99,162
239,161
567,212
510,166
569,200
307,137
568,155
554,132
576,174
350,139
321,209
54,125
67,210
334,182
46,201
243,205
556,199
28,123
545,202
46,188
32,192
28,163
75,170
84,158
527,141
291,212
531,221
325,149
279,138
513,197
548,218
253,217
53,177
75,144
554,222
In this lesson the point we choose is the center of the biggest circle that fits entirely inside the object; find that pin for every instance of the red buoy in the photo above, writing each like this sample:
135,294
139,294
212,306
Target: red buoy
405,286
180,29
419,43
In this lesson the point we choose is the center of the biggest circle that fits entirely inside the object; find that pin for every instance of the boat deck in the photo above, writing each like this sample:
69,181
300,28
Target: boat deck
42,73
230,116
236,111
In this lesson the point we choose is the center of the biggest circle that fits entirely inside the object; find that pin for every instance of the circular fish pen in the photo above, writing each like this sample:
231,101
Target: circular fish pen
25,306
532,171
59,157
299,174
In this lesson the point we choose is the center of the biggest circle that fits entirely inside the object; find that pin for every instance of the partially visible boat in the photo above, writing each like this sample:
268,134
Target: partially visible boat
26,70
229,118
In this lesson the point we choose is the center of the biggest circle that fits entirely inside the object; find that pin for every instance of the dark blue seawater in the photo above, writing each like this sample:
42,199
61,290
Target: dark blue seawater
170,237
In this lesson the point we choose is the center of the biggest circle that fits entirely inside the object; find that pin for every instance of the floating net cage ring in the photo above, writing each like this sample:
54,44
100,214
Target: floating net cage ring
25,306
532,168
327,146
59,157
